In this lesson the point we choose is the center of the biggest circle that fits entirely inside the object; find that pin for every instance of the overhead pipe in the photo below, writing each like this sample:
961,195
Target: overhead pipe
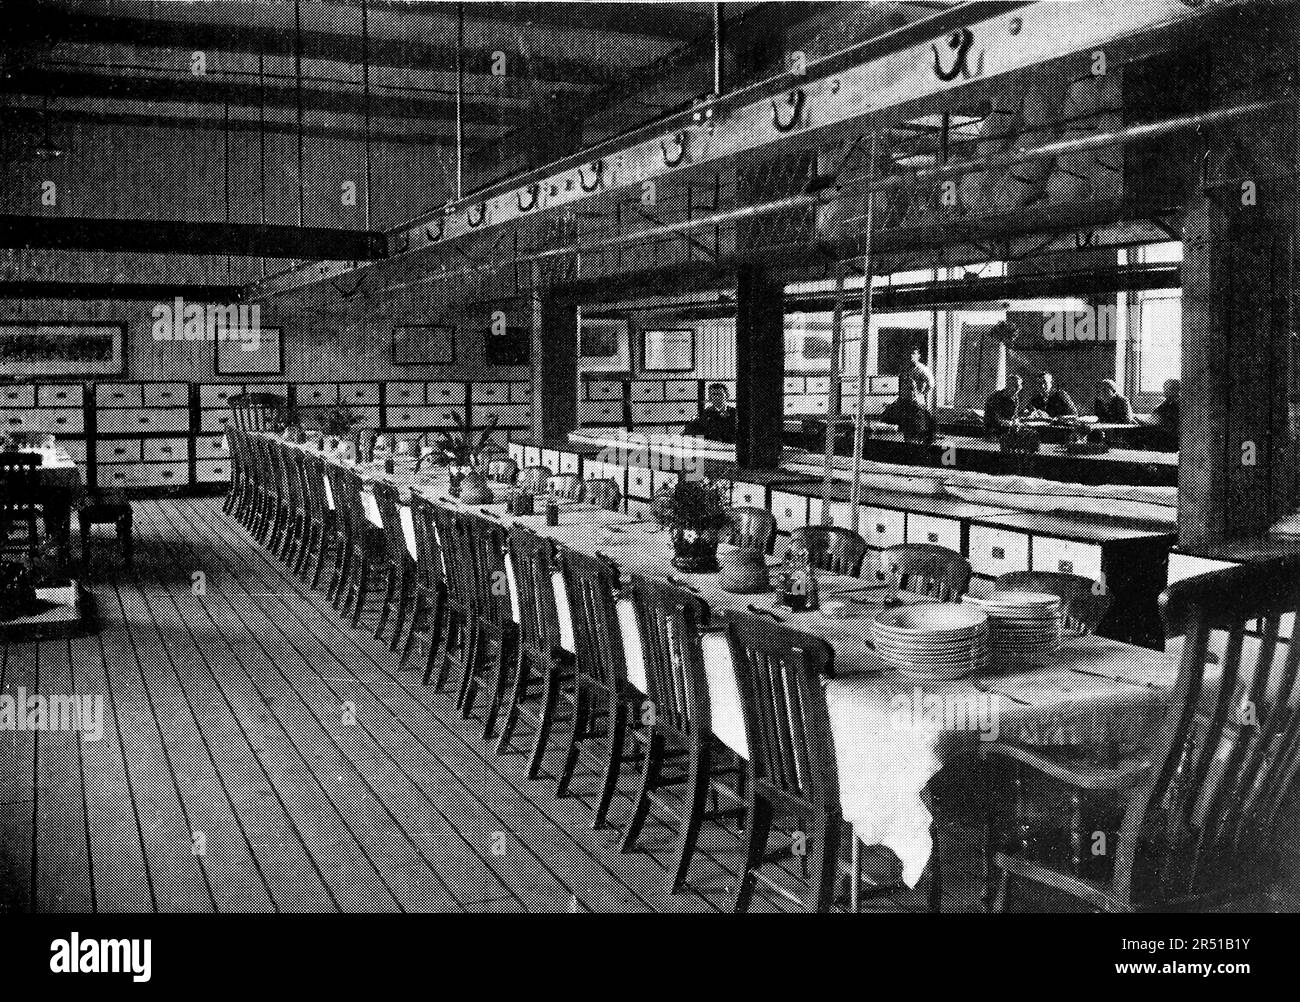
719,50
365,90
460,100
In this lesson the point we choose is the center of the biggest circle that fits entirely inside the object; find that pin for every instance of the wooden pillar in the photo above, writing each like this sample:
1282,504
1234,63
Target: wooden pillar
1237,462
554,366
760,369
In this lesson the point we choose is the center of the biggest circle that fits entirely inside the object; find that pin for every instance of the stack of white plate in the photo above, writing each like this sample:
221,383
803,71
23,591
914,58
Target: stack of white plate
1024,626
935,639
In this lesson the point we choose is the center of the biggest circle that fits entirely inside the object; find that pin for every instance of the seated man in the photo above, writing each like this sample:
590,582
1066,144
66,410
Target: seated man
1110,405
717,421
1049,401
909,412
920,374
1166,414
1001,408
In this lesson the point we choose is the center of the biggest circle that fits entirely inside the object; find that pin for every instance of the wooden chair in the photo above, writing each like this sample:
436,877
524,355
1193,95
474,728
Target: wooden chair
543,668
599,689
496,643
369,549
831,549
18,494
925,569
1198,820
533,479
502,471
322,533
428,611
107,508
259,411
1083,604
676,722
753,529
603,493
399,568
565,486
456,553
792,766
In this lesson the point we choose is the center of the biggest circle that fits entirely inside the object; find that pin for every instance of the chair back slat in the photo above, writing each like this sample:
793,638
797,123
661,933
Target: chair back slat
753,529
831,548
533,479
502,471
259,411
491,542
1084,603
532,558
388,501
670,621
779,673
591,584
567,486
926,569
430,564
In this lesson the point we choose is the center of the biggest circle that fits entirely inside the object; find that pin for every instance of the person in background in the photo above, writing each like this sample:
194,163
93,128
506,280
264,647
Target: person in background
909,412
1166,414
1001,408
1050,401
920,375
1110,405
717,421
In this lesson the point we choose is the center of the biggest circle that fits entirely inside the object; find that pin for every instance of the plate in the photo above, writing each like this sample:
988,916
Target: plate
930,617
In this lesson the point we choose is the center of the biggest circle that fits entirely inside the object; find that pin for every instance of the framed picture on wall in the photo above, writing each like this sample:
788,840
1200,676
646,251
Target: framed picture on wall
259,355
604,344
668,351
30,350
424,344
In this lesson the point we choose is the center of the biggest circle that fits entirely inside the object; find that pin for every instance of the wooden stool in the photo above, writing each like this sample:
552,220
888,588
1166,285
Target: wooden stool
109,507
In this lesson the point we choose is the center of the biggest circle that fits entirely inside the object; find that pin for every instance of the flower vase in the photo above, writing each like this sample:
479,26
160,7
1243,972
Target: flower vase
695,550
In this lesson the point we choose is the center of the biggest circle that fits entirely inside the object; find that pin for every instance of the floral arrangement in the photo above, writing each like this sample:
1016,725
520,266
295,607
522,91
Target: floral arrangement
462,448
695,504
337,420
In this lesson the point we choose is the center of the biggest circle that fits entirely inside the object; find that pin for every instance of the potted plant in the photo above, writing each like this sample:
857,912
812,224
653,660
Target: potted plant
696,514
461,450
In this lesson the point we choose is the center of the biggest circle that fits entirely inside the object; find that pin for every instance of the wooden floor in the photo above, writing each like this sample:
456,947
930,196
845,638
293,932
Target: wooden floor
228,778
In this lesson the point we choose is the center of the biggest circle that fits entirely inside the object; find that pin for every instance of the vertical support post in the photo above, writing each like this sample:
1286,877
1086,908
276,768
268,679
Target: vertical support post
554,364
760,369
460,100
864,350
719,50
834,405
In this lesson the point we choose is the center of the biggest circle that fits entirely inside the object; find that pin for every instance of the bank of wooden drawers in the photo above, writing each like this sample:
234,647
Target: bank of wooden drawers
1066,556
419,417
644,391
806,404
212,471
993,552
114,420
789,510
883,527
935,531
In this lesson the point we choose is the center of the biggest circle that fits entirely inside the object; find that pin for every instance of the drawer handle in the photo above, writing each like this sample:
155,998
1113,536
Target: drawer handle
999,553
166,450
933,537
14,420
119,452
1066,566
880,529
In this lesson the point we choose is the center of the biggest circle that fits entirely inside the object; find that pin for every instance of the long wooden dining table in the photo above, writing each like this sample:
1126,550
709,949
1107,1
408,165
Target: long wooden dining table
893,731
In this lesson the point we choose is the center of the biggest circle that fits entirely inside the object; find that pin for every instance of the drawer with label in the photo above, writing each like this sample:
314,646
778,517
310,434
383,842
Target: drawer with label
210,447
644,390
55,420
212,471
745,495
640,483
598,412
118,450
664,412
405,394
681,389
515,450
532,456
119,395
993,552
359,394
817,384
166,395
61,395
418,417
166,450
218,395
883,527
215,420
886,385
551,460
144,475
1066,557
445,393
570,462
316,394
662,479
604,390
935,531
789,510
794,384
490,393
521,393
507,415
17,396
128,419
807,404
